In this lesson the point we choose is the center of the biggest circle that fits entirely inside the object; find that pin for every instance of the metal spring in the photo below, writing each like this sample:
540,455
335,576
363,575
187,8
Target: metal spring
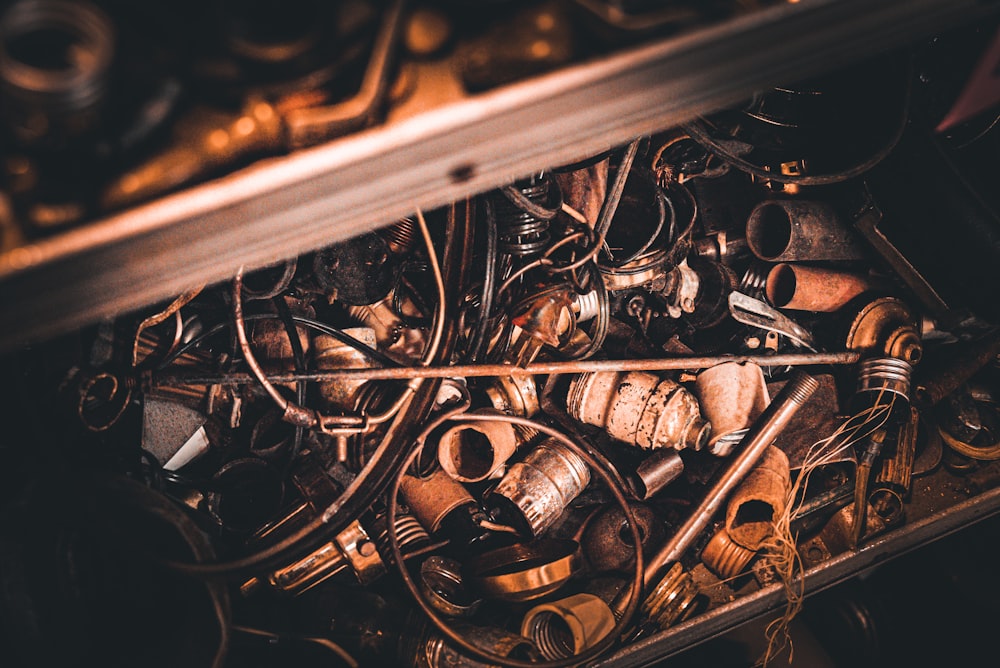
401,236
409,532
754,281
551,636
522,233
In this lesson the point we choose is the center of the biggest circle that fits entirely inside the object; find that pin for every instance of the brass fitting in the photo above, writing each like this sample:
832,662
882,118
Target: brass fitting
725,557
563,628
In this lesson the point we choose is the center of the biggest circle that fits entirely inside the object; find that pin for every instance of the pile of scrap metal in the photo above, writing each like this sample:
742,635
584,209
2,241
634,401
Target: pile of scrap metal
527,428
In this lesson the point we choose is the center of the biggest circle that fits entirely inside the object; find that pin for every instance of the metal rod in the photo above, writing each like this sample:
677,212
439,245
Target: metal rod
536,368
762,433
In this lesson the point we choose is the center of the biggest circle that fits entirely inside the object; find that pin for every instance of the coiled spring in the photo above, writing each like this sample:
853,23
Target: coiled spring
523,213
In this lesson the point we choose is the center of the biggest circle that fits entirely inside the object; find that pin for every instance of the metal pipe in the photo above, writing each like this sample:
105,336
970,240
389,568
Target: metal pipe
790,230
762,433
535,368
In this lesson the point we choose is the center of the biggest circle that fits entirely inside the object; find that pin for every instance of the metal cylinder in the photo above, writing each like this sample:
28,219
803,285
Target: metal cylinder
790,230
475,451
444,588
724,556
883,381
731,396
330,353
656,471
800,288
542,485
640,409
432,499
759,500
569,626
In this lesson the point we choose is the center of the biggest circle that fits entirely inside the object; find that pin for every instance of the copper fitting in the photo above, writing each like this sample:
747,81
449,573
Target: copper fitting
475,451
789,230
542,485
731,396
569,626
801,288
330,353
640,409
725,557
759,500
432,499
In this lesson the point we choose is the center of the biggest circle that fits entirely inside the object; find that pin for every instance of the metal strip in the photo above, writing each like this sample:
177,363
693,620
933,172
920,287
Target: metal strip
286,206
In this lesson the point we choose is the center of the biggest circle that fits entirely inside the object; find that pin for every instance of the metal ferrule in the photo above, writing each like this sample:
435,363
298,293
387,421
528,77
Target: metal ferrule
544,484
563,628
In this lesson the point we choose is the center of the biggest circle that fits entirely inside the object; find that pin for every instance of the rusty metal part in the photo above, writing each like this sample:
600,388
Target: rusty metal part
640,271
887,503
525,571
475,451
515,395
762,433
838,533
819,417
542,485
732,396
790,230
672,599
435,652
443,586
351,549
174,307
607,540
722,247
952,365
724,556
678,363
655,472
886,326
802,288
585,189
749,311
896,473
311,125
434,498
567,627
759,500
639,409
394,337
272,346
330,353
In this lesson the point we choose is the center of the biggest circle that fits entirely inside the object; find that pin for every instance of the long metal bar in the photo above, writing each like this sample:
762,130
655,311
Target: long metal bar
286,206
536,368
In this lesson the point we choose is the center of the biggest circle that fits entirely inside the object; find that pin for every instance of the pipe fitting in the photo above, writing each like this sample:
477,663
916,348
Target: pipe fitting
567,627
790,230
639,409
759,499
542,486
476,451
725,557
433,499
800,288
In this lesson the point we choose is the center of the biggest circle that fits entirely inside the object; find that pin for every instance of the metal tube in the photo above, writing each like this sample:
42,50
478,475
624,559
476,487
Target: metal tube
535,368
762,433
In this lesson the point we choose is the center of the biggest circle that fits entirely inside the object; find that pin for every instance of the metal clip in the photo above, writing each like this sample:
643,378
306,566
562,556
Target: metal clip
756,313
